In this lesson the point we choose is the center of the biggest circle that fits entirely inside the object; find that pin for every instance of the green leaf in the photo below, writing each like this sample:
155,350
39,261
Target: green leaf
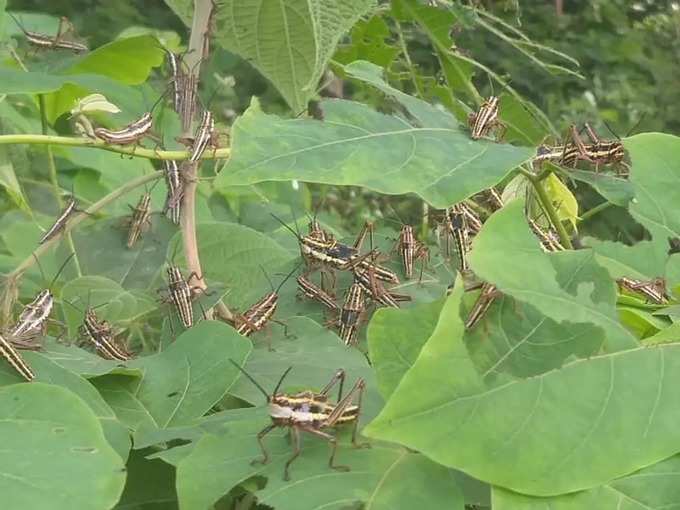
654,175
428,154
562,198
369,42
236,254
9,182
518,340
644,260
150,485
395,338
50,372
616,190
55,449
290,42
561,431
379,476
191,375
653,488
566,286
83,362
315,353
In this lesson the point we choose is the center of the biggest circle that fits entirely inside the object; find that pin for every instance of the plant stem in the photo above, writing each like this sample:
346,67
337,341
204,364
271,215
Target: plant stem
549,209
79,218
595,210
54,181
409,64
198,42
133,151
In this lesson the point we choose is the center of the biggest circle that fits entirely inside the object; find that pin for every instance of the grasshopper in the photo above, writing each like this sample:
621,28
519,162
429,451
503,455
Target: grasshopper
376,290
133,132
173,180
311,412
486,297
205,135
411,250
60,223
33,317
53,42
140,219
550,241
352,310
181,293
256,317
101,335
312,291
600,152
457,228
654,290
12,356
485,119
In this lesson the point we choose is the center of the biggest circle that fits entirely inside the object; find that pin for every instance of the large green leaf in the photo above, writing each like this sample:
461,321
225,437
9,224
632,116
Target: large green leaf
615,189
644,260
382,477
561,431
191,375
395,338
150,485
426,153
656,487
567,286
516,339
655,175
289,42
54,453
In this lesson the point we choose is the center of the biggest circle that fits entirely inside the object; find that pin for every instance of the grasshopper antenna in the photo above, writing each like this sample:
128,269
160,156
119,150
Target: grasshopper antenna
252,379
296,234
271,285
68,259
278,385
287,277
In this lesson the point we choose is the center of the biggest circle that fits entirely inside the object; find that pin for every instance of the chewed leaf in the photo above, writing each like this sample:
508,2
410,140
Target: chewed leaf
94,103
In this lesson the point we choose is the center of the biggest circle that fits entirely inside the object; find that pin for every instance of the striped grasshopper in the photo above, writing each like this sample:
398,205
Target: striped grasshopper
487,296
53,42
311,412
181,293
411,250
59,224
485,119
175,186
12,356
34,316
653,290
350,316
457,228
133,132
140,219
100,334
312,291
376,290
261,313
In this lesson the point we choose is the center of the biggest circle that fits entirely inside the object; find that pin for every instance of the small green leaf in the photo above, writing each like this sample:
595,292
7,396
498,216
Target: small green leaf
616,190
562,198
51,439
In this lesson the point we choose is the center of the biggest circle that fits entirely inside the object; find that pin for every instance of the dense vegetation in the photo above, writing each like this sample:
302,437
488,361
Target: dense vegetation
560,393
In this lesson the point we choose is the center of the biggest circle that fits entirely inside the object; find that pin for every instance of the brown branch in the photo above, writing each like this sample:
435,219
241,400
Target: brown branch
198,43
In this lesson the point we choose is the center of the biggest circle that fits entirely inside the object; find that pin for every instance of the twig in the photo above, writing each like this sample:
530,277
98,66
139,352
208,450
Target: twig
409,64
200,30
548,207
140,152
80,217
595,210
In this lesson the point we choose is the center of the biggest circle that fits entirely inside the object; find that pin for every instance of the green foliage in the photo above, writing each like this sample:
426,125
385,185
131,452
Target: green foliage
561,396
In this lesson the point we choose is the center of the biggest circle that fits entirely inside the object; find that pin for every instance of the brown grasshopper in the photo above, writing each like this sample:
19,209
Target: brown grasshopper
12,356
60,223
181,294
485,119
140,219
350,316
654,290
456,225
100,334
34,316
53,42
486,297
312,291
256,317
311,412
411,250
173,180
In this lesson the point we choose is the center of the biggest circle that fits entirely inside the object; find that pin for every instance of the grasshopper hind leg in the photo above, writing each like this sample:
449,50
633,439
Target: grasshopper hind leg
265,454
295,436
